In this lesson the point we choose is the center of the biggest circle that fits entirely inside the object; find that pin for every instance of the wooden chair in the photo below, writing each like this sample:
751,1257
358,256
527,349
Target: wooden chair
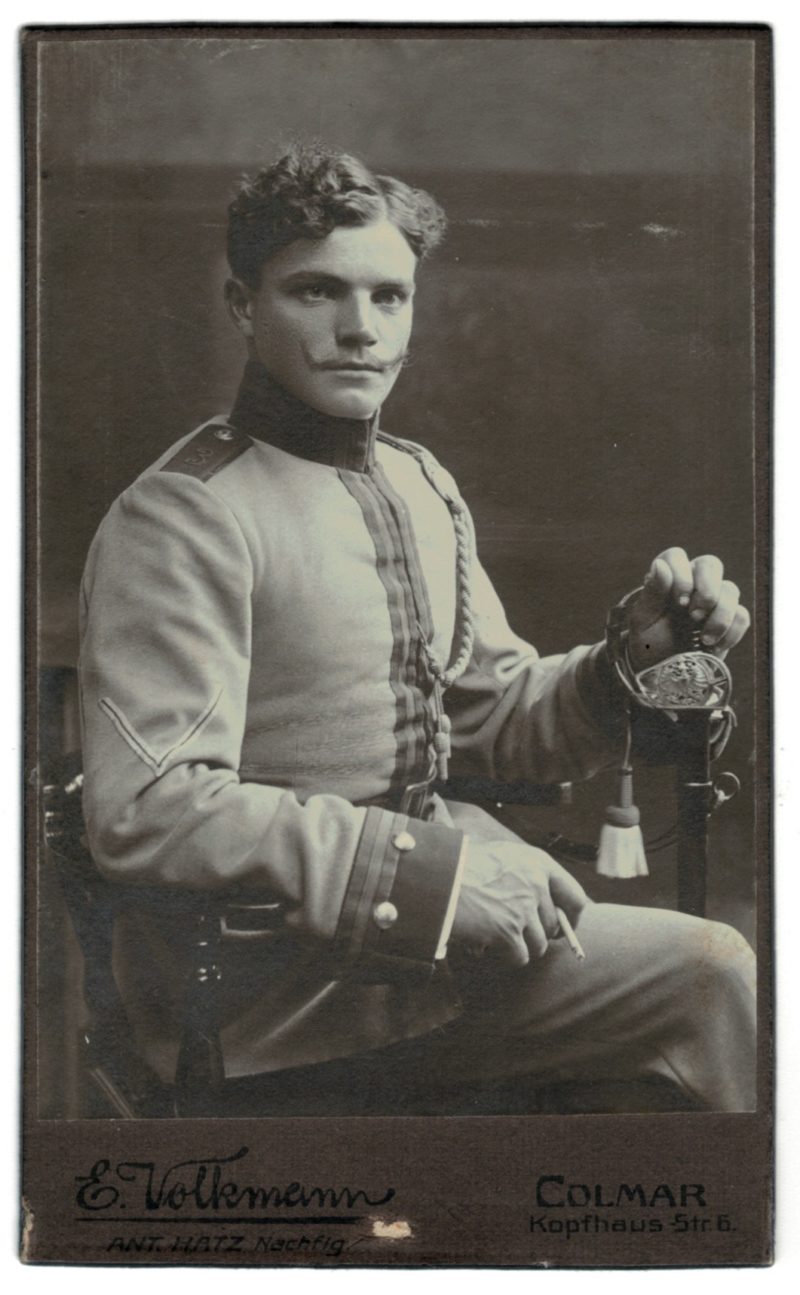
119,1083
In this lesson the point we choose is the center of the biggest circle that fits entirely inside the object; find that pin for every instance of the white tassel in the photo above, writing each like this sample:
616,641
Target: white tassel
621,849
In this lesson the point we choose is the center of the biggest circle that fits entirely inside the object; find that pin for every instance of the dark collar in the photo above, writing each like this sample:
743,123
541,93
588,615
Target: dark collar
267,411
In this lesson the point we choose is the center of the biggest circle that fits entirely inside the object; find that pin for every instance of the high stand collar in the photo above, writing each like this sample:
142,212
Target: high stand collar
266,410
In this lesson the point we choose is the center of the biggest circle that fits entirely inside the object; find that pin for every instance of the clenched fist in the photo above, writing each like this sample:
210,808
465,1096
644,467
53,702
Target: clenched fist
675,588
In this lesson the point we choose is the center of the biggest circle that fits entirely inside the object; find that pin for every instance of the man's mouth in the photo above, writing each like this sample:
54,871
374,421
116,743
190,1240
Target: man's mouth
344,366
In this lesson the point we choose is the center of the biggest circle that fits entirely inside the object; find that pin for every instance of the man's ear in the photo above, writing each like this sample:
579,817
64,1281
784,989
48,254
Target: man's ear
239,300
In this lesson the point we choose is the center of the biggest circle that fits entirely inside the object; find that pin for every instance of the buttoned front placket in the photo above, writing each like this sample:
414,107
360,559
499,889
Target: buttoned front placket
266,410
387,520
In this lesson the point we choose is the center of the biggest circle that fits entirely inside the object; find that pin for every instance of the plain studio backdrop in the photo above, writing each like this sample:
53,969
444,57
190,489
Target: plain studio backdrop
583,348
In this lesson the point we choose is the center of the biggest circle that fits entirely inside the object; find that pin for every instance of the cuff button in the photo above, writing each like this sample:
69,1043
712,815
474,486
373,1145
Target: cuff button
403,841
384,915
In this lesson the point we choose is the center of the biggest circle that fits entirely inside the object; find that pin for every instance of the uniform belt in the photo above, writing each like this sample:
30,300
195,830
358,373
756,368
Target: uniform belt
415,800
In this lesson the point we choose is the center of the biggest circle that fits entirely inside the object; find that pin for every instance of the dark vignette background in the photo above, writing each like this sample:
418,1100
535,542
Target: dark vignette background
583,346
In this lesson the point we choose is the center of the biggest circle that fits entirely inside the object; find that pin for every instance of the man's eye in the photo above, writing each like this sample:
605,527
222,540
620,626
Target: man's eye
314,292
393,297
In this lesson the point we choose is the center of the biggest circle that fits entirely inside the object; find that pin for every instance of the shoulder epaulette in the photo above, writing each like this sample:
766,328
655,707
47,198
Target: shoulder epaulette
213,447
441,481
399,443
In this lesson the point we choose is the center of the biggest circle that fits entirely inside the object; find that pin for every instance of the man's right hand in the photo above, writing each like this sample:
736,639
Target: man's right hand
507,904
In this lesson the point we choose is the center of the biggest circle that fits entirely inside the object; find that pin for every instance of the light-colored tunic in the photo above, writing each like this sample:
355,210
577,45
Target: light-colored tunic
255,695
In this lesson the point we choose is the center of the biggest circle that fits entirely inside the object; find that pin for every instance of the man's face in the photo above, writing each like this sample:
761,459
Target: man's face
332,318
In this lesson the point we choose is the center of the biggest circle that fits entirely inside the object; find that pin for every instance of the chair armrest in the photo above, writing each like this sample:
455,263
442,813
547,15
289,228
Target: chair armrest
476,791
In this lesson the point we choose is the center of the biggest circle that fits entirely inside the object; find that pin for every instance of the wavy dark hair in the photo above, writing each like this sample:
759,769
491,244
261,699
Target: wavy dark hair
307,193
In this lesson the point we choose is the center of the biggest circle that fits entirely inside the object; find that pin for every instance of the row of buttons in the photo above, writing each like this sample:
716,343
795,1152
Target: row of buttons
385,914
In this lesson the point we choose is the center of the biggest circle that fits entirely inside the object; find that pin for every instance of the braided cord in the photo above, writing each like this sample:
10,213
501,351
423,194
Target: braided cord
464,628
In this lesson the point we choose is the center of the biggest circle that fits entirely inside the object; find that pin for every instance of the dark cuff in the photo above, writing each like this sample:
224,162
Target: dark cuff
602,694
397,898
655,738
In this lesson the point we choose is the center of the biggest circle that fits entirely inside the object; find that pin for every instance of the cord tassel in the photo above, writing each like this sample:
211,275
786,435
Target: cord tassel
621,849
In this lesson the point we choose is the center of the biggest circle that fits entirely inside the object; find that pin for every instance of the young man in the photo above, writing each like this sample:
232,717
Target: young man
309,634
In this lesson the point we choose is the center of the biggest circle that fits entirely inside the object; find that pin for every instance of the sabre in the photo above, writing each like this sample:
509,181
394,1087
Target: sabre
695,688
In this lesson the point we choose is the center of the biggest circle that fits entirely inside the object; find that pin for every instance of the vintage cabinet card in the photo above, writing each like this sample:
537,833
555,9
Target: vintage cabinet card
385,906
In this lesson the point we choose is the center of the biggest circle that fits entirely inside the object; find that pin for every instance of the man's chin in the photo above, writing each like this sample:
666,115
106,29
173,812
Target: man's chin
350,405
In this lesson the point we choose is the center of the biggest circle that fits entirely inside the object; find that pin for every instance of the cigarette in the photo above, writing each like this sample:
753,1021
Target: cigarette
569,935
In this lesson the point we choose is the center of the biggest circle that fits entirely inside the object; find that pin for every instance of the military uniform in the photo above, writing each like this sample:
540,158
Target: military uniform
258,612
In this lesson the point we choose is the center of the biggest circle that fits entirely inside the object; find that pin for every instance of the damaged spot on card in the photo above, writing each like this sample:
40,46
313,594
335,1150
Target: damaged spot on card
660,231
397,1230
27,1230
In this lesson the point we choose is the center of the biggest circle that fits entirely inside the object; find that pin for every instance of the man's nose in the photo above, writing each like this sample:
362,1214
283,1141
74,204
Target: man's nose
355,323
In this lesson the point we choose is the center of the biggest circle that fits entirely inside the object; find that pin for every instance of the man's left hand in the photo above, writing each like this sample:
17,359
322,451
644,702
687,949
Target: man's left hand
678,594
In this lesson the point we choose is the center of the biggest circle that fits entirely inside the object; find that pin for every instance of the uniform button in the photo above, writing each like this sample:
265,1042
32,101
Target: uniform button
384,915
403,841
224,434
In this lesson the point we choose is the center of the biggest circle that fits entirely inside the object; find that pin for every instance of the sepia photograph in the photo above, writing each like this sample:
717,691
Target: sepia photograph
397,426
